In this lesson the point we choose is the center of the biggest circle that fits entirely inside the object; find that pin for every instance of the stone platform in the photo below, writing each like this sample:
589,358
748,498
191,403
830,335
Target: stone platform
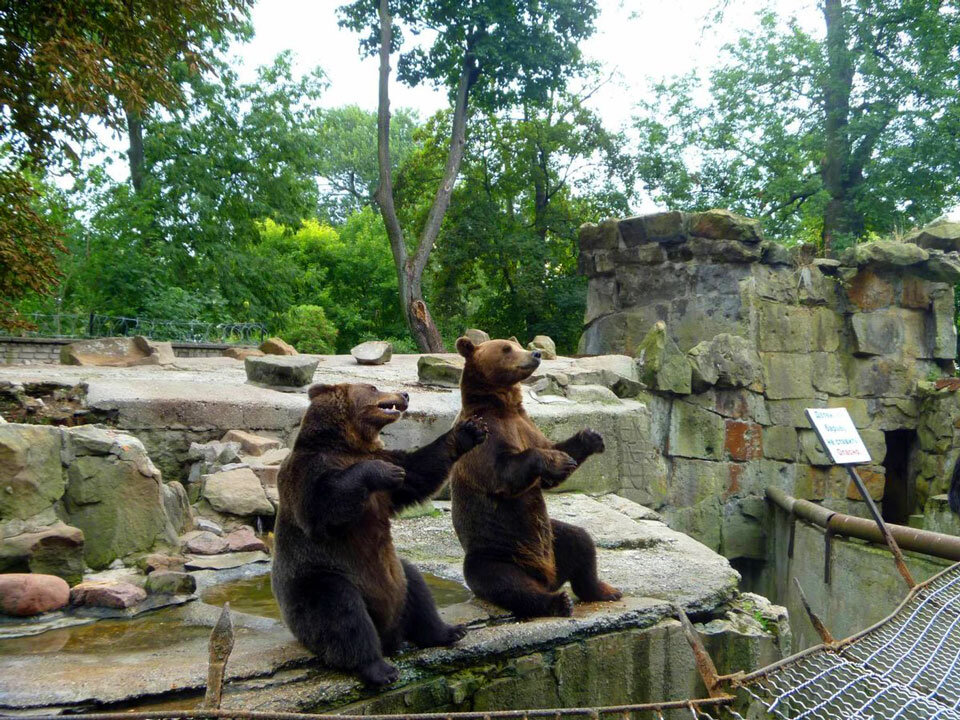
606,653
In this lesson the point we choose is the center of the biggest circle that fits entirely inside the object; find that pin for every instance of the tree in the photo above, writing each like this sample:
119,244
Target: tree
64,65
348,165
831,137
489,54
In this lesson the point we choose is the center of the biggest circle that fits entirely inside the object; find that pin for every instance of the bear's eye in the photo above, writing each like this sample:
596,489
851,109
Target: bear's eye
506,350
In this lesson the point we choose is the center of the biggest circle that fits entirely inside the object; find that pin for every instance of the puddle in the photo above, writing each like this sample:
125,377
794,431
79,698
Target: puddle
254,596
152,631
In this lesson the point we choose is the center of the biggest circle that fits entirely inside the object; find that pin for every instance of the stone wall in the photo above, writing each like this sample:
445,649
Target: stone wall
46,351
735,336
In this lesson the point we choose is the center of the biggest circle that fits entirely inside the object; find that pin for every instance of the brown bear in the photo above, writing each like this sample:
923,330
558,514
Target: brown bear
343,591
516,556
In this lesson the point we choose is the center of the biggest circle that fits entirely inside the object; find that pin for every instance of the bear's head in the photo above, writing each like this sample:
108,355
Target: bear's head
348,415
495,364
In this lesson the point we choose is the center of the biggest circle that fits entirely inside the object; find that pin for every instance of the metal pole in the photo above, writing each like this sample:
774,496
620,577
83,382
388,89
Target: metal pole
888,538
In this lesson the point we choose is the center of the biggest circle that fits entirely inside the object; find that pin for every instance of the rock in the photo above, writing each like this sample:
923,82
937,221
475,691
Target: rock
604,236
884,253
275,456
117,500
546,346
281,371
242,353
617,372
26,594
117,595
443,370
941,267
868,291
695,432
202,542
726,361
117,352
780,443
276,346
773,253
943,235
215,452
226,561
373,352
171,583
592,394
244,539
176,506
161,352
31,476
251,444
236,492
476,336
209,525
662,227
661,364
159,562
55,550
725,225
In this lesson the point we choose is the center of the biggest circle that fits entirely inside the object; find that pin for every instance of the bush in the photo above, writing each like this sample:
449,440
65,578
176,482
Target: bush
307,328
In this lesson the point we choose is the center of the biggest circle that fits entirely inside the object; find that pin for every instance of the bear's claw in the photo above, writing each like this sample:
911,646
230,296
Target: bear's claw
561,605
592,440
471,432
379,673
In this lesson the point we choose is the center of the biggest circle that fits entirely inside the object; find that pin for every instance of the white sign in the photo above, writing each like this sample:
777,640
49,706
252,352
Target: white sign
838,435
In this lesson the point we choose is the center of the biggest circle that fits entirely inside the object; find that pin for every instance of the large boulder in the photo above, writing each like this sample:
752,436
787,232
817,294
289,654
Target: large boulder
372,352
276,346
23,594
943,235
280,371
661,363
109,594
236,492
725,225
117,352
31,476
54,550
616,372
443,370
114,494
726,361
546,346
251,444
242,353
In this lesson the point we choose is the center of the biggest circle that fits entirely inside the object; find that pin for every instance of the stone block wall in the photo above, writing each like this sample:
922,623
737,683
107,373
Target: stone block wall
46,351
736,336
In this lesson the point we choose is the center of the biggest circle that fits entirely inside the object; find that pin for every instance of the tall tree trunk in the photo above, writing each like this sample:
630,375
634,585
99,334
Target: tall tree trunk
135,152
410,269
840,217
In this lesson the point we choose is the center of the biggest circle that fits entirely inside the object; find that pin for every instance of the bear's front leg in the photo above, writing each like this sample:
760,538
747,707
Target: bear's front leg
585,443
343,503
518,471
557,467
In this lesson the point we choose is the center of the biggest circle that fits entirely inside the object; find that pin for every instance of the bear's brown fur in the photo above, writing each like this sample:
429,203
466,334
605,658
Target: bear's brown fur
516,556
342,589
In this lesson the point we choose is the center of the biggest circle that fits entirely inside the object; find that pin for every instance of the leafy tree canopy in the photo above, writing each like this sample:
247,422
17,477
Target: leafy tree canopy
827,136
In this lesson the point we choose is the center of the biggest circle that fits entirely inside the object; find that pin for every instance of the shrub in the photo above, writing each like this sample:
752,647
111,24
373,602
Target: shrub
307,328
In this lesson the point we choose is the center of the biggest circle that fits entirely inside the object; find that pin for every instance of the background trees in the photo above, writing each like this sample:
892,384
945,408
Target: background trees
64,66
832,136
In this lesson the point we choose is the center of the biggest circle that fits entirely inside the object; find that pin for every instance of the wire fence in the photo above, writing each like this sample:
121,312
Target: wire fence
93,325
906,667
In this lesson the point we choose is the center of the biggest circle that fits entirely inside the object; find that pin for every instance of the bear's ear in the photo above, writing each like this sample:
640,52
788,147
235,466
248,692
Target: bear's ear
465,346
513,339
319,389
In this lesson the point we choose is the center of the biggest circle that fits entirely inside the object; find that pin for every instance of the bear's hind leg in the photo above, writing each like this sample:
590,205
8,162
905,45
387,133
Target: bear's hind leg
576,558
422,624
507,585
328,616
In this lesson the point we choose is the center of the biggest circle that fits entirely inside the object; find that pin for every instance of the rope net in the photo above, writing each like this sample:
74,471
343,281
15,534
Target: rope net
907,667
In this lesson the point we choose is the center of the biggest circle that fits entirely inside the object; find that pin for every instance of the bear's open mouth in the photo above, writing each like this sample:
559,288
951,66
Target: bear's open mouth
392,407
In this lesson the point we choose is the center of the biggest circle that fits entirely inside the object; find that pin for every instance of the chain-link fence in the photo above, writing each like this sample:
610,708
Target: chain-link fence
93,325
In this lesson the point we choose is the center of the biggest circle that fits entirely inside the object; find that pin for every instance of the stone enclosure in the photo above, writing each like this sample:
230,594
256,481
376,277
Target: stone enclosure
735,336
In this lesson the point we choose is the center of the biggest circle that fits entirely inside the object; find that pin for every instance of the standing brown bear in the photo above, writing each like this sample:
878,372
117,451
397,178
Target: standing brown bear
516,556
342,589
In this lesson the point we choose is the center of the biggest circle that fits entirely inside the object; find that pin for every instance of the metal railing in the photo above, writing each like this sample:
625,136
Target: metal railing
93,325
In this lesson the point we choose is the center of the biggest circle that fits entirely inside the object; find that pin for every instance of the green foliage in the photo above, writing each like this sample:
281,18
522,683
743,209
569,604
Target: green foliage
348,161
817,138
307,328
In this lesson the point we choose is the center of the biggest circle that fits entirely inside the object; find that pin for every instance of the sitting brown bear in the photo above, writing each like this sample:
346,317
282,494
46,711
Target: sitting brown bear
342,589
516,556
